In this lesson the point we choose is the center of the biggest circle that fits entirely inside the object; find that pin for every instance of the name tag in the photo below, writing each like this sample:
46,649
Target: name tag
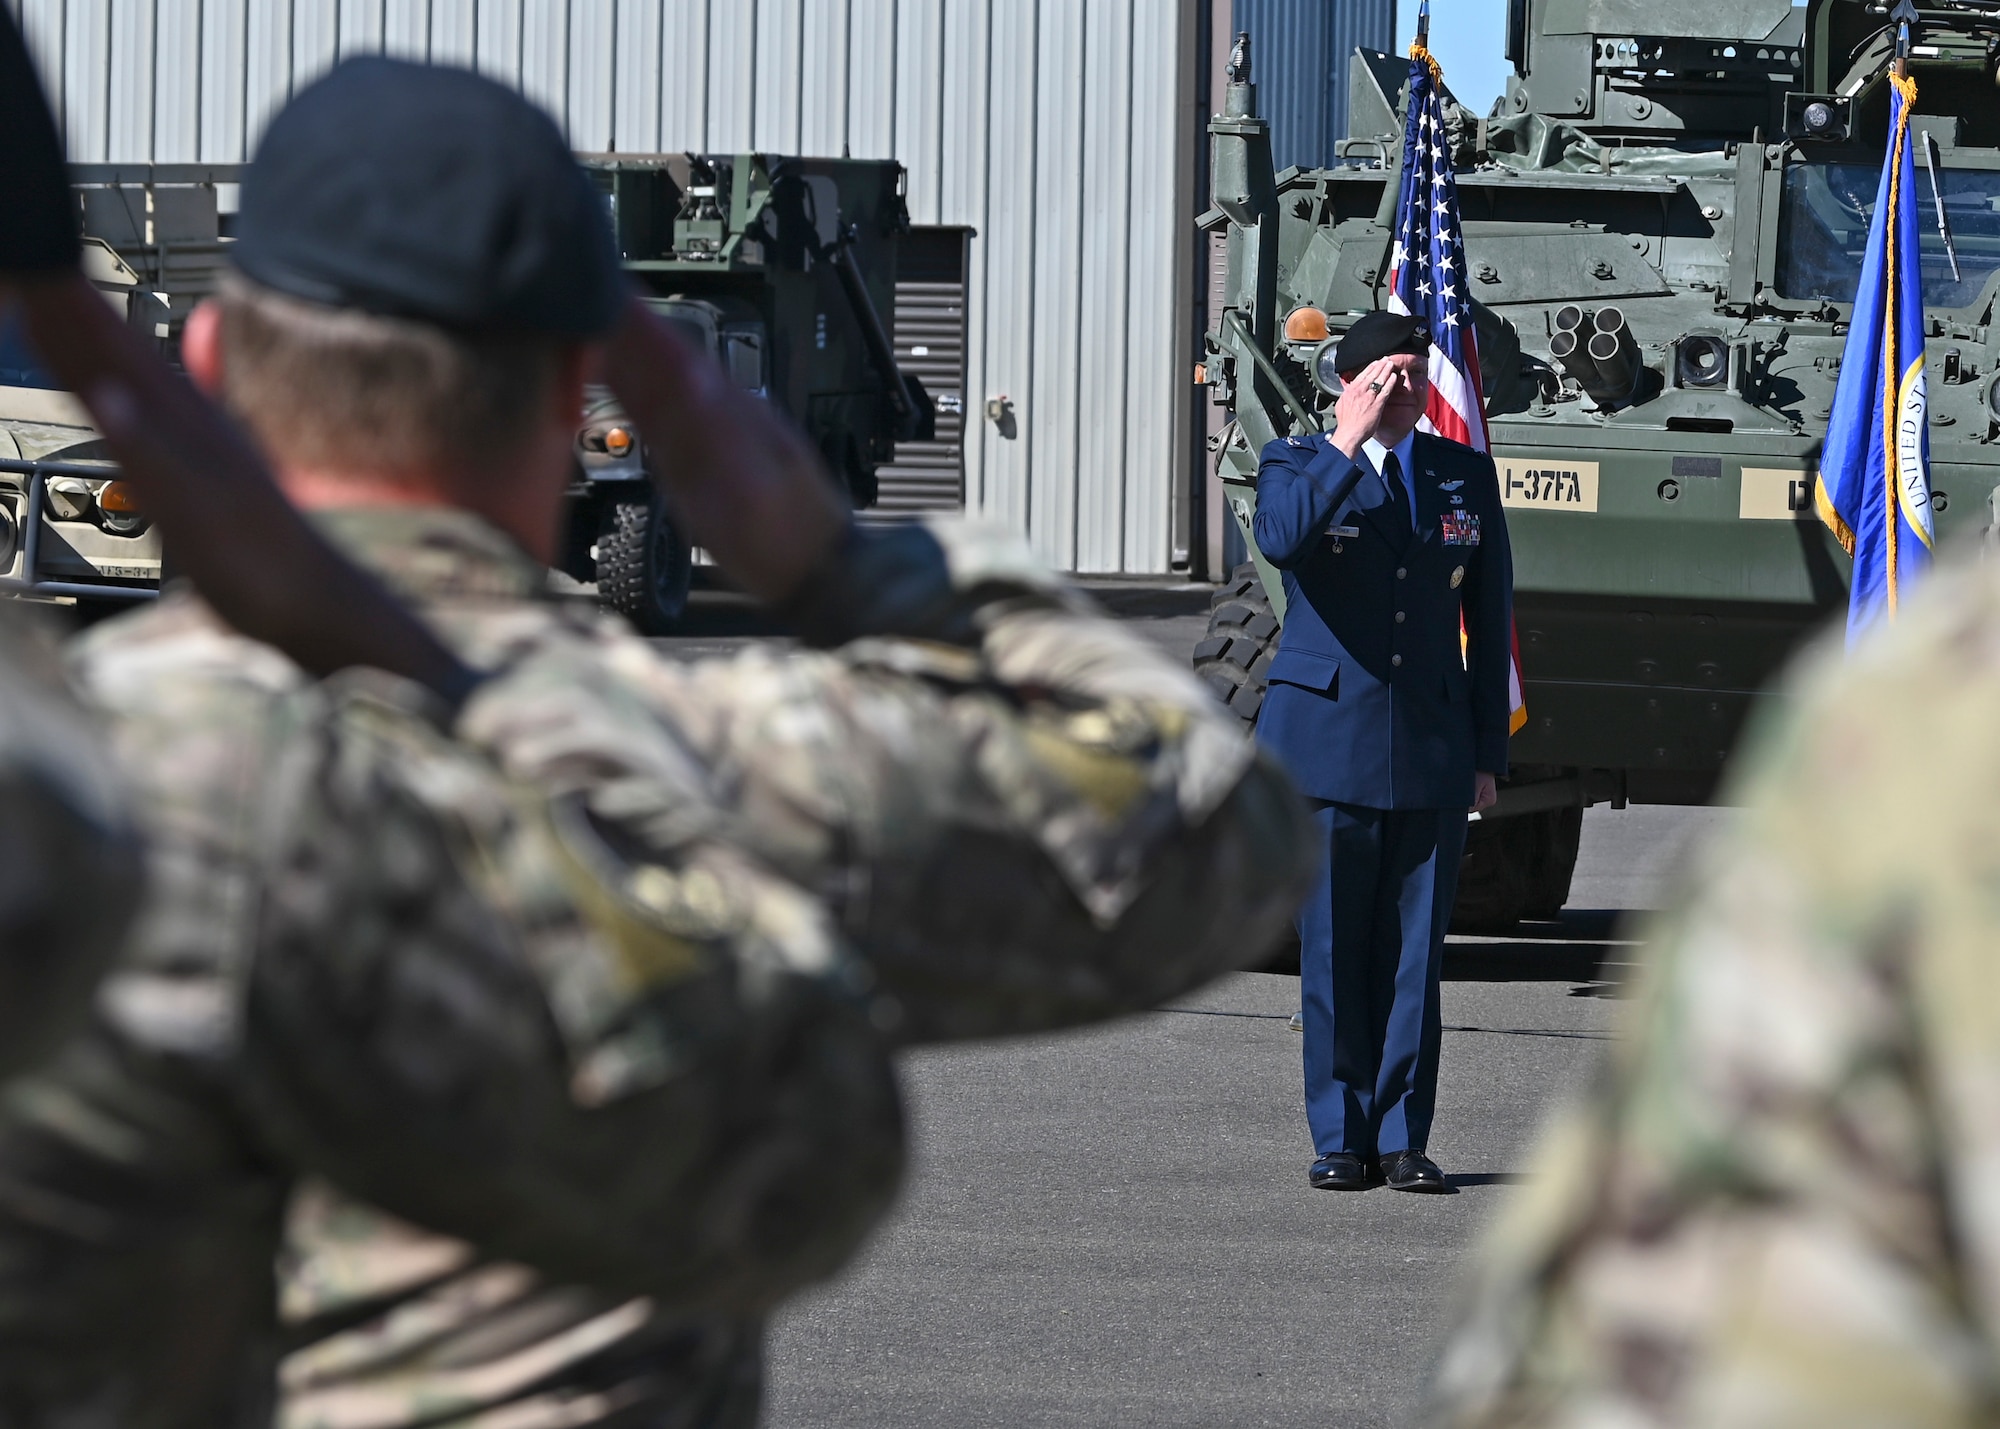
1339,533
1459,528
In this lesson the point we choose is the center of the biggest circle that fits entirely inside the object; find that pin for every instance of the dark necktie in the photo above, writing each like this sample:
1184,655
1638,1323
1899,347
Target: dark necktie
1397,507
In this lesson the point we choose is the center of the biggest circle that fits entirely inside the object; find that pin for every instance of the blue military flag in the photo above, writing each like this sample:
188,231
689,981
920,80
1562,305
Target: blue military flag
1874,487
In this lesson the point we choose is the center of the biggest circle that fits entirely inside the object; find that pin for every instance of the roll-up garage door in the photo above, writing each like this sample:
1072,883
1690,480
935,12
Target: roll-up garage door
930,342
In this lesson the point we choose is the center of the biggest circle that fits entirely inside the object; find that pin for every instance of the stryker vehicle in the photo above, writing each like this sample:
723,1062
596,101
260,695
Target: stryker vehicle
784,270
68,528
1665,216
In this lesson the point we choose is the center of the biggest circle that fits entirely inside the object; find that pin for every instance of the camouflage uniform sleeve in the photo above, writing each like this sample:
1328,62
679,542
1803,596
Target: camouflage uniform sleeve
365,954
70,854
140,1213
1775,1207
557,1017
1020,814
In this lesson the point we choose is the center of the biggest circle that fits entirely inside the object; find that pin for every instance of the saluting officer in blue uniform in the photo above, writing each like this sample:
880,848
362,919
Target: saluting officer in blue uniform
1385,536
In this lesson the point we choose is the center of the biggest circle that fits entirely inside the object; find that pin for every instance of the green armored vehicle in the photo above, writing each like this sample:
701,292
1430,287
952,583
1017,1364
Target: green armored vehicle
784,270
1664,217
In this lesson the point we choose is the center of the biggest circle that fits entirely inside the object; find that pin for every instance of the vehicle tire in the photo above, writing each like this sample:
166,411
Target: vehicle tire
644,567
1283,959
1494,885
1234,658
1563,836
1516,868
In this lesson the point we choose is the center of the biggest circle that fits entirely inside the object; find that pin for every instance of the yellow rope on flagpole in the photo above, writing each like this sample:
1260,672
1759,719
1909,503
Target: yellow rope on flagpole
1418,51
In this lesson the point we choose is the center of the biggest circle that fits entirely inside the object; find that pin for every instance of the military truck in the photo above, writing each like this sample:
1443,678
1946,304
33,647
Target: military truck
68,527
1665,215
783,269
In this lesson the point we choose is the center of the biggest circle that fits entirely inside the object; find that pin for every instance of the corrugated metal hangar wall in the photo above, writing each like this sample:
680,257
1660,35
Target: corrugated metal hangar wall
1067,133
1299,54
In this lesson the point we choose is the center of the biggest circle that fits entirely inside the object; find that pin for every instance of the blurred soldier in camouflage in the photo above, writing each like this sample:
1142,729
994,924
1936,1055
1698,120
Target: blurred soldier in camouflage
69,860
1778,1207
602,981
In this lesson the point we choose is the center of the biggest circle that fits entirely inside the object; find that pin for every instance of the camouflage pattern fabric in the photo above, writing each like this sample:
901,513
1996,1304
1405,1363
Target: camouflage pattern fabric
69,858
1030,819
400,1326
139,1212
614,1047
1779,1206
558,991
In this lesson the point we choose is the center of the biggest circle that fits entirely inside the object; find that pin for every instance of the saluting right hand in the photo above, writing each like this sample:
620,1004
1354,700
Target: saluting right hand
1358,412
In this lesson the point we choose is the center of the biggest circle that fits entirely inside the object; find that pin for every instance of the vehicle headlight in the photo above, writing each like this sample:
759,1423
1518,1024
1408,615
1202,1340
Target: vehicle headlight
614,439
118,509
1993,397
70,498
1324,371
1305,324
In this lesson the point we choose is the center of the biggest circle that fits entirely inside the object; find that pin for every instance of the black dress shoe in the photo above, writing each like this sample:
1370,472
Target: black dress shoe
1413,1171
1339,1171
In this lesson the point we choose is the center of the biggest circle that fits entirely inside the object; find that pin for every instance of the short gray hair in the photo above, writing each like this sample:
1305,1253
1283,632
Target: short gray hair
335,387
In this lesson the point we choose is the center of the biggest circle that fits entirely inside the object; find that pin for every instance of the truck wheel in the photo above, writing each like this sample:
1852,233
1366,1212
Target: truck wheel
1234,658
1563,836
1495,881
644,568
1516,868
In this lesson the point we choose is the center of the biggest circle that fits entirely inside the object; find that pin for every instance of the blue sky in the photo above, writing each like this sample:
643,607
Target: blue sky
1469,38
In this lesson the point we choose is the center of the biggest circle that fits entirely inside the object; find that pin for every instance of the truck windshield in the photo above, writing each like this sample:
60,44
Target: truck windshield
1823,231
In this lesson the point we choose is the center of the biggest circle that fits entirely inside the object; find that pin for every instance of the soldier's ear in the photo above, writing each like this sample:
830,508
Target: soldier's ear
201,347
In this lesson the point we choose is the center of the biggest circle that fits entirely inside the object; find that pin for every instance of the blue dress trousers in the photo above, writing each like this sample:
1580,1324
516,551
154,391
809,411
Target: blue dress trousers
1382,718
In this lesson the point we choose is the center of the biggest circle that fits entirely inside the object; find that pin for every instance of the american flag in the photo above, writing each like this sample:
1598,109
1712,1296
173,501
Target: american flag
1427,279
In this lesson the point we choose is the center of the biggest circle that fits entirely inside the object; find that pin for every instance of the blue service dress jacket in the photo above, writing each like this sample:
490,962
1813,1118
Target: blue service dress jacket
1370,701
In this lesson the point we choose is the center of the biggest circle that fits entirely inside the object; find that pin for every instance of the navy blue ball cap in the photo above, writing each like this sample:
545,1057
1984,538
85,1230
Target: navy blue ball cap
422,192
1379,335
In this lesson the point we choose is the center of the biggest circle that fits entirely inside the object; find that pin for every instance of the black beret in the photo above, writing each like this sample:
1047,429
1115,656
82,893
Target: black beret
1378,335
430,193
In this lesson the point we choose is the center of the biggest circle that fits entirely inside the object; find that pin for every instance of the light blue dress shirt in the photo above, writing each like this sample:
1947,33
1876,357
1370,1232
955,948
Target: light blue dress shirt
1375,452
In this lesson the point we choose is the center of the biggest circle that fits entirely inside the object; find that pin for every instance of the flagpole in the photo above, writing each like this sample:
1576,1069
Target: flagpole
1441,308
1903,14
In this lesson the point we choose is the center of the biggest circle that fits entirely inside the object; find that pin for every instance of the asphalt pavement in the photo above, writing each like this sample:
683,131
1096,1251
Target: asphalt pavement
1113,1227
